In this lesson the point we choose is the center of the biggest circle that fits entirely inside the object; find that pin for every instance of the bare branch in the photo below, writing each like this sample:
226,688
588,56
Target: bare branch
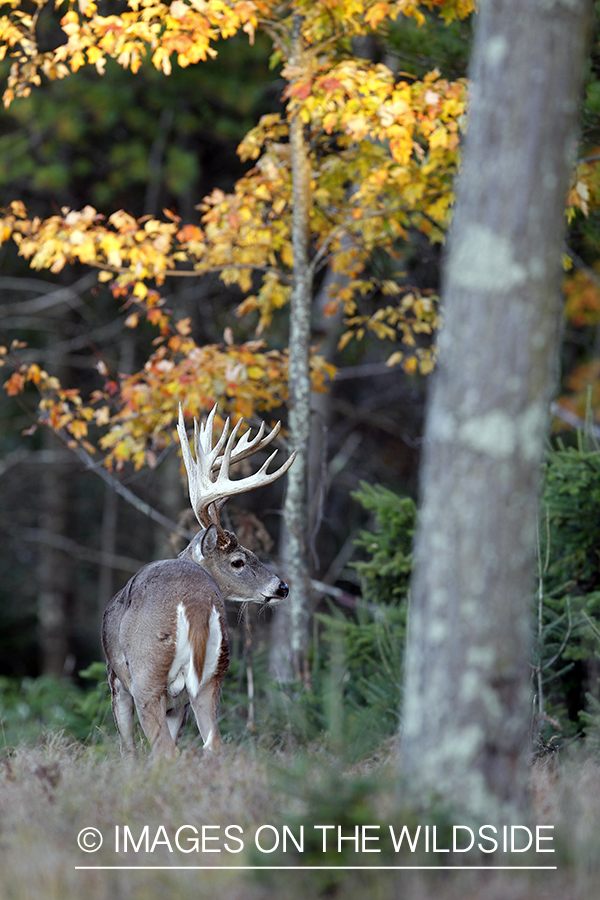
571,418
97,557
583,267
340,229
123,491
367,370
193,273
565,641
50,294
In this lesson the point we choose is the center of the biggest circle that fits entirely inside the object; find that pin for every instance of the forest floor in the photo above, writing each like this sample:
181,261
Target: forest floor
57,791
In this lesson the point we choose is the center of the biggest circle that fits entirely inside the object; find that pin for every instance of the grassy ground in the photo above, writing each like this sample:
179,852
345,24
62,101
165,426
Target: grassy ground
49,793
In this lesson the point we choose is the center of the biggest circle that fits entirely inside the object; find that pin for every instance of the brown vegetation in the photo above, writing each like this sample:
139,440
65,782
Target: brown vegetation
50,792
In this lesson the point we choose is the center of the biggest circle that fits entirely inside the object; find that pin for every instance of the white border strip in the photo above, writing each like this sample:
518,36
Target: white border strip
312,868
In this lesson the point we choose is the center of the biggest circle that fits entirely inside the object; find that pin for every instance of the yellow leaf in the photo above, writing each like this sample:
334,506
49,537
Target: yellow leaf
184,326
77,60
330,122
567,262
345,339
34,373
78,429
395,358
439,138
377,14
102,415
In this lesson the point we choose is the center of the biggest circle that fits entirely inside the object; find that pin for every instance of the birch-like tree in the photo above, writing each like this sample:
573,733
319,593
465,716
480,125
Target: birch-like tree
467,682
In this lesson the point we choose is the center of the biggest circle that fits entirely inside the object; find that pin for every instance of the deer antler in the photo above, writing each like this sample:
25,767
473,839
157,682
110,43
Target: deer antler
208,474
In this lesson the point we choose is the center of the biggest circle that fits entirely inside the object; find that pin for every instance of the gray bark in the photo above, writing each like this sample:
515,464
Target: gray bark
320,412
466,687
296,509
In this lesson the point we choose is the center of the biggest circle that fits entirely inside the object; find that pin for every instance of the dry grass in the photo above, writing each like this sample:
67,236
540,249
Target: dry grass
48,794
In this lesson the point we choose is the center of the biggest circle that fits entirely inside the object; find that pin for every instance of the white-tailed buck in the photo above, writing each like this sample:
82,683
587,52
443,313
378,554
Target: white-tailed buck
165,633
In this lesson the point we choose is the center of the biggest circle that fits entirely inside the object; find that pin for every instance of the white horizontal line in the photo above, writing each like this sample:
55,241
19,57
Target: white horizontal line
336,868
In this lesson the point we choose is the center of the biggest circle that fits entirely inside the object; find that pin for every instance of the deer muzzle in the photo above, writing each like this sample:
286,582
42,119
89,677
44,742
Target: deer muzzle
280,594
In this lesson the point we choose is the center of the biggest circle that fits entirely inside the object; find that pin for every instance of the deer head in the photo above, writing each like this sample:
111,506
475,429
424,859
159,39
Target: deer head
232,566
165,633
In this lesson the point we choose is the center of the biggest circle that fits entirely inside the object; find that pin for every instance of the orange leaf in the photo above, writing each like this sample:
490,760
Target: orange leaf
189,233
330,84
15,384
301,90
184,326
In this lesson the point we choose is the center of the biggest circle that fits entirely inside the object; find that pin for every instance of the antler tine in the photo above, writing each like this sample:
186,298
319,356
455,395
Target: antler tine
272,476
249,446
204,439
225,460
191,464
199,470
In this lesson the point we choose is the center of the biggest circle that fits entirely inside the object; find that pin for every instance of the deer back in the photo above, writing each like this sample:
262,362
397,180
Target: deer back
167,604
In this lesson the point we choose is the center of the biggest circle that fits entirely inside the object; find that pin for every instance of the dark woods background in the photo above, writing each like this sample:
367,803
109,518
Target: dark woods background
69,542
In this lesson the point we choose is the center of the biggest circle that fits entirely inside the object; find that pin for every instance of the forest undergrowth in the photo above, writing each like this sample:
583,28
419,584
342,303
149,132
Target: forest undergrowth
51,792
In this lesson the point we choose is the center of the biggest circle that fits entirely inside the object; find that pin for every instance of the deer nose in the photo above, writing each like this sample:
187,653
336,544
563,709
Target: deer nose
282,591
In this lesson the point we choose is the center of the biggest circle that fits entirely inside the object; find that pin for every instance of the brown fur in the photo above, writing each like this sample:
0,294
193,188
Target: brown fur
139,636
139,632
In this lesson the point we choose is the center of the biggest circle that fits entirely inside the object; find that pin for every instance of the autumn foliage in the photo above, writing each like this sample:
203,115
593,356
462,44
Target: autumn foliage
384,152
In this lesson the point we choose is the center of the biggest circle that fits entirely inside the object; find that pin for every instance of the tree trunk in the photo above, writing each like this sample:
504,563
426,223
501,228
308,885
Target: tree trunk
108,545
54,570
296,508
466,689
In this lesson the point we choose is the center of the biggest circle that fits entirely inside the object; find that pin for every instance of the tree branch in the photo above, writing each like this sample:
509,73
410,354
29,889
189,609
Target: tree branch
571,418
193,273
583,267
97,557
51,296
340,229
123,491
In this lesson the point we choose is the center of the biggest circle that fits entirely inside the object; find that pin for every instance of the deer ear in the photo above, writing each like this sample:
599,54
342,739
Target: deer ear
210,540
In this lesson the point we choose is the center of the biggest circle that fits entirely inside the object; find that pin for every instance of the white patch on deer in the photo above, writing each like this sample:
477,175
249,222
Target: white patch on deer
182,673
197,555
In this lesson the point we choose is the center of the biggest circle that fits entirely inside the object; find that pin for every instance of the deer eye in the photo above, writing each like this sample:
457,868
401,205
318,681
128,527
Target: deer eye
237,563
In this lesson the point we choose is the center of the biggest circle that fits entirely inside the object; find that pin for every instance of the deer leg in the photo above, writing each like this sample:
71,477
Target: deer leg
206,706
176,719
152,712
122,707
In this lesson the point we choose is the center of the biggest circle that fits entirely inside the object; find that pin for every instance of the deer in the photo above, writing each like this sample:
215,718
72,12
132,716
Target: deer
164,634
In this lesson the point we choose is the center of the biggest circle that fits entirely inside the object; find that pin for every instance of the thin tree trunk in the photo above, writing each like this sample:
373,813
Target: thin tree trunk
296,507
54,570
108,544
466,691
320,410
171,500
